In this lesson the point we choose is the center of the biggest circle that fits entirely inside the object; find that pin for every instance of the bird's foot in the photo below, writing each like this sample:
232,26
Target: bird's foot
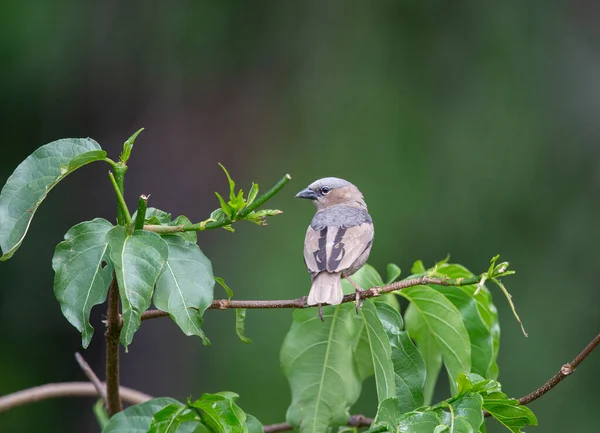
358,301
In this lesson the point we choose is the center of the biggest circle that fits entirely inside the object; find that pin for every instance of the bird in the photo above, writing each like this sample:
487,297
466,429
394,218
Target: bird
338,240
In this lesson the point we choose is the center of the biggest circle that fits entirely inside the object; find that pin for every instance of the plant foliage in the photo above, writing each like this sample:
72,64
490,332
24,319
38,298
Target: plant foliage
453,324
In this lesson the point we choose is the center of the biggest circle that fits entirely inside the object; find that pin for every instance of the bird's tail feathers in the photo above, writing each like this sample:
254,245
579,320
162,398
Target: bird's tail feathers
326,289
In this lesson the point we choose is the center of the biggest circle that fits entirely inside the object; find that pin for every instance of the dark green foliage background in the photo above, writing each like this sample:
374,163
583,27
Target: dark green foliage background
471,129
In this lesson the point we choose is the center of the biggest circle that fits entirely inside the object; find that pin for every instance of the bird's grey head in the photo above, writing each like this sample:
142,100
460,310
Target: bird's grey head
331,191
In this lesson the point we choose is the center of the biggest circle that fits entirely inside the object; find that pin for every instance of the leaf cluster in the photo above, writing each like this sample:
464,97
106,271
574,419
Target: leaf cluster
153,258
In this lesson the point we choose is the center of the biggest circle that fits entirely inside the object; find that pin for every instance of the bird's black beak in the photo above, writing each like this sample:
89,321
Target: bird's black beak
307,193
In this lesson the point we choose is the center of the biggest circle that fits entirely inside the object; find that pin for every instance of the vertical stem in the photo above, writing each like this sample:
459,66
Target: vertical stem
141,212
113,332
120,170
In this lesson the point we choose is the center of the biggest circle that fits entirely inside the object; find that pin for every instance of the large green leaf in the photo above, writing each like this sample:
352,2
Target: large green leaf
138,259
506,410
221,413
170,418
318,360
443,322
33,179
185,287
482,345
482,325
381,351
83,273
409,367
427,345
137,419
366,277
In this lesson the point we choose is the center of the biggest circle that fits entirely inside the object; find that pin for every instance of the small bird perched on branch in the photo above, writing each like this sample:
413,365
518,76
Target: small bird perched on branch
338,240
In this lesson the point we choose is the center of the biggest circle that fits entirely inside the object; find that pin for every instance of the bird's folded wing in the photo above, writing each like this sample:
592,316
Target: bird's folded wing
335,249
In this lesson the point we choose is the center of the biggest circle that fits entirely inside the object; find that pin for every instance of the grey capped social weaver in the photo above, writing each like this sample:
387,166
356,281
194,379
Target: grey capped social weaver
338,240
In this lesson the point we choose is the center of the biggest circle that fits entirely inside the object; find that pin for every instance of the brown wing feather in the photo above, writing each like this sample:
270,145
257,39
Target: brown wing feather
347,245
314,251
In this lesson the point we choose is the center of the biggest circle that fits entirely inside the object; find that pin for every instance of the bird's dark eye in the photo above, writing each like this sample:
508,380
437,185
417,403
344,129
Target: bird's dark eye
325,189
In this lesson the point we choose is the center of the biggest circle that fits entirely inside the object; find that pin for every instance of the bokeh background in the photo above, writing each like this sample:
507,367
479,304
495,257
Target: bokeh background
472,128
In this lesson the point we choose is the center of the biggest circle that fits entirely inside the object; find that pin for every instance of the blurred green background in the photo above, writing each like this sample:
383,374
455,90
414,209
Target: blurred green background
471,128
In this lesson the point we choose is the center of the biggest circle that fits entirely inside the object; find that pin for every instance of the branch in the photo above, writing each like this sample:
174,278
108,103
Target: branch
64,389
565,370
354,421
211,224
100,388
224,304
113,332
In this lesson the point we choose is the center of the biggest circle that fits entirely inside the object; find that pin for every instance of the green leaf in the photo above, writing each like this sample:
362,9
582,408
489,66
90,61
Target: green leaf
252,194
388,414
318,360
508,411
224,206
486,312
128,145
222,283
427,346
443,322
240,325
220,413
83,273
366,277
231,183
158,217
469,408
138,259
482,345
137,419
408,364
392,271
185,288
419,422
418,267
170,417
253,424
31,182
381,352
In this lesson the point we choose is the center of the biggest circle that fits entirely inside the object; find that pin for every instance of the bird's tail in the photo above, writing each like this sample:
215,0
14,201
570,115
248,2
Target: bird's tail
326,289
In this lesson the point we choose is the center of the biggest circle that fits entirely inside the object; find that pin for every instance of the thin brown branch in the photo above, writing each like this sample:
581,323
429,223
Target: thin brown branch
565,370
64,389
354,421
224,304
100,388
113,332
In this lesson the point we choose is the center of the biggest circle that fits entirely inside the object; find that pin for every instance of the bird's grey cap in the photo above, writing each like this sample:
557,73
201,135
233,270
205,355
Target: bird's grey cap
312,191
331,182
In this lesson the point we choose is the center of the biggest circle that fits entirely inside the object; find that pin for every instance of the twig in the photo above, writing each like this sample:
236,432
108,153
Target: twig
100,388
64,389
201,226
354,421
565,370
224,304
113,332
